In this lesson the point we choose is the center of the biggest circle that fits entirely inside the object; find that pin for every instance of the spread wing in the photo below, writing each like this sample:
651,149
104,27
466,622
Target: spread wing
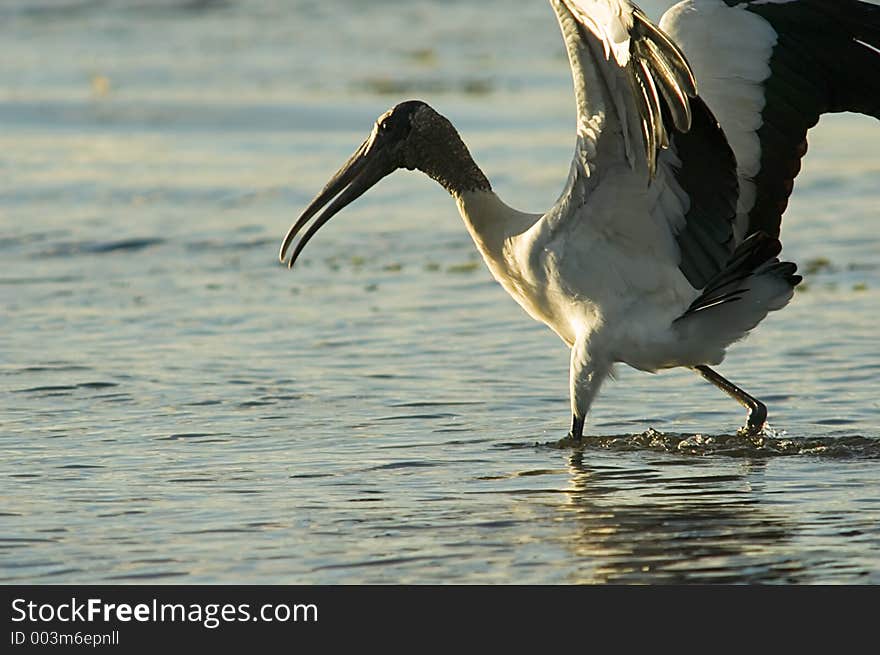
769,70
646,143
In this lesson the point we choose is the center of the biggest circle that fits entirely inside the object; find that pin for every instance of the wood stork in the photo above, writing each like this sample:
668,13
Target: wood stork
662,249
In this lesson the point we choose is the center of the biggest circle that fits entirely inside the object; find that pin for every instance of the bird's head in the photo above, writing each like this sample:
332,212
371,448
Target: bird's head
410,135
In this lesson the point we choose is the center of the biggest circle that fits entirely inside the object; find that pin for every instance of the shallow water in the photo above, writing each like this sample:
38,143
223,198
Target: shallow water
177,407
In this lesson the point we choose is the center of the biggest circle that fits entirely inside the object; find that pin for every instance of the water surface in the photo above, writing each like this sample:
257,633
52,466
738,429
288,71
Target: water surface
177,407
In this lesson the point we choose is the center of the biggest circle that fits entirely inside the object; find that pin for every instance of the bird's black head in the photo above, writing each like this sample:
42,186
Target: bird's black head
395,126
409,135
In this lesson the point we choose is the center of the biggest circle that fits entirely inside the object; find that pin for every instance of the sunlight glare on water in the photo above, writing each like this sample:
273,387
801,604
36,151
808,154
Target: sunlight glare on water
175,406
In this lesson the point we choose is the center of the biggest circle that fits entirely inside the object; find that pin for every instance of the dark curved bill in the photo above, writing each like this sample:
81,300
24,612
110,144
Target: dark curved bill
364,168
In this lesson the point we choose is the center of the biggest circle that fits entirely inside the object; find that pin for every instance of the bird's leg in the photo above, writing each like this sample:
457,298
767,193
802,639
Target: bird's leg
757,409
585,377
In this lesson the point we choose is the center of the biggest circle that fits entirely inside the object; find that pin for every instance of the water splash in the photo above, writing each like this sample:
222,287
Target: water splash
769,443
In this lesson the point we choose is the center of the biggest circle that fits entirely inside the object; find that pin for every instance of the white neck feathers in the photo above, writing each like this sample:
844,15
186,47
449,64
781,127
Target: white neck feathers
491,223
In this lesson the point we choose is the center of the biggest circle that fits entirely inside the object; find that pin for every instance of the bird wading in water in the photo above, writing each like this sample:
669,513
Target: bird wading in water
662,249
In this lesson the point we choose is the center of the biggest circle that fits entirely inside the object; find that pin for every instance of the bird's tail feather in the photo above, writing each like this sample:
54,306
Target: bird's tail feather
753,284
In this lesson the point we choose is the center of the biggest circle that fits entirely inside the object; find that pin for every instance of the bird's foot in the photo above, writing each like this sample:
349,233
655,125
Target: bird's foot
757,421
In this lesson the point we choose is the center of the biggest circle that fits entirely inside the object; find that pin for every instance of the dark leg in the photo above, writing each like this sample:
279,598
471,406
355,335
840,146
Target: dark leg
577,428
757,409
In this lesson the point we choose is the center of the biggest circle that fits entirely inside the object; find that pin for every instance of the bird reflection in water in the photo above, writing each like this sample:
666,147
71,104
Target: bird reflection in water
676,521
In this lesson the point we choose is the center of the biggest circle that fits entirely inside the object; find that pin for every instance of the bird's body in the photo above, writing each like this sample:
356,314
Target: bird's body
661,250
605,282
